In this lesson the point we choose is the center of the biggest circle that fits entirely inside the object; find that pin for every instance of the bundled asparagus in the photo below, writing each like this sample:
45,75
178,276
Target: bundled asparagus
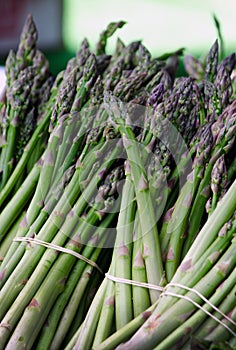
117,165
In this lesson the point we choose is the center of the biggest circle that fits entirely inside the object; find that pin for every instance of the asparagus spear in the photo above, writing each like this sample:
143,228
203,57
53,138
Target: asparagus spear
140,296
11,70
18,104
194,67
212,62
123,251
125,332
18,202
108,32
151,245
27,46
7,242
119,65
224,87
50,201
219,182
178,223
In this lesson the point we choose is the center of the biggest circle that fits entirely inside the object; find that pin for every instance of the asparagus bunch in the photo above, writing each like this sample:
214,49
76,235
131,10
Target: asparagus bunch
117,166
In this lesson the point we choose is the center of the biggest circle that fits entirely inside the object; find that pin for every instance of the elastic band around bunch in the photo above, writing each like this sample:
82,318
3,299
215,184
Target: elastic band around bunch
58,248
164,292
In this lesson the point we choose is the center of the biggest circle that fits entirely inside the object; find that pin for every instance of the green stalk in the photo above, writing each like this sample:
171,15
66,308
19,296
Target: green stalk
7,154
44,181
19,200
37,310
73,308
86,301
67,135
87,297
184,332
16,309
90,162
39,148
123,252
106,312
151,244
140,296
17,269
184,165
73,340
178,222
161,324
232,343
117,301
165,234
191,274
24,159
41,191
11,234
177,228
124,333
88,328
106,320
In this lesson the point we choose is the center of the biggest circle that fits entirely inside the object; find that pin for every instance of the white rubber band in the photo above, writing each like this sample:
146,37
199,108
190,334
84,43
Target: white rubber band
56,247
165,292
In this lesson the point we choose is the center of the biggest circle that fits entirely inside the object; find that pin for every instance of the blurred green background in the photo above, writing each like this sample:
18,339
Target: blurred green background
162,25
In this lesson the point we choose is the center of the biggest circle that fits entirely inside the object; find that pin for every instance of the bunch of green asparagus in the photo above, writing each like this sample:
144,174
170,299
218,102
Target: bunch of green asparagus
117,199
